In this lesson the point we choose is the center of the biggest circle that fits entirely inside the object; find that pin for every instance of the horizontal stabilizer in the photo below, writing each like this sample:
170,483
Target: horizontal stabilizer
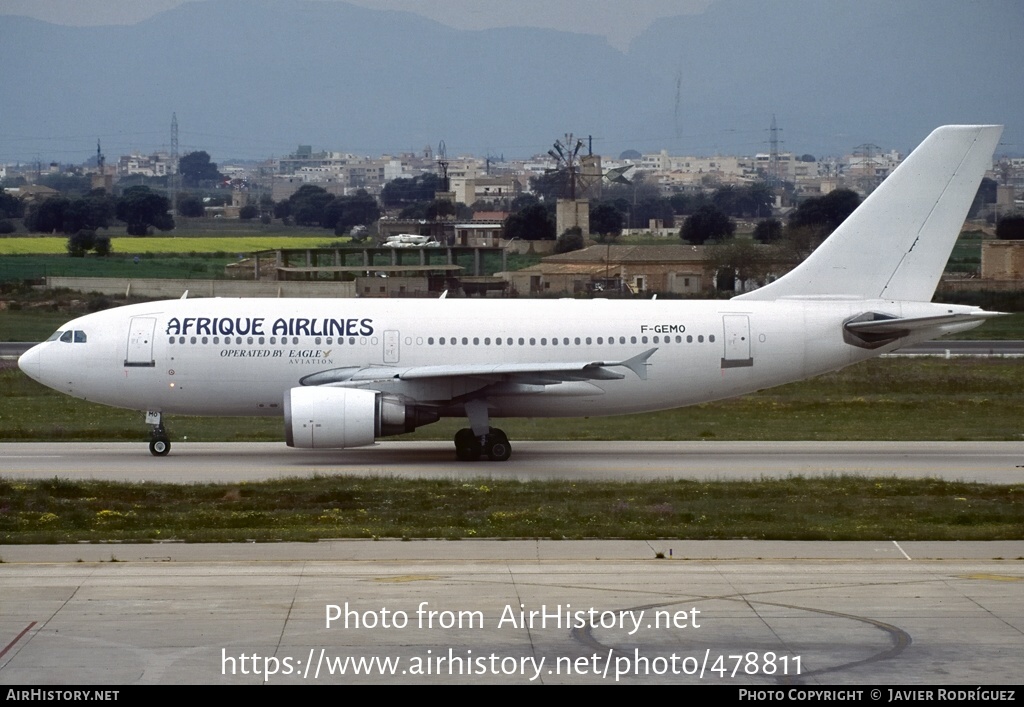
900,325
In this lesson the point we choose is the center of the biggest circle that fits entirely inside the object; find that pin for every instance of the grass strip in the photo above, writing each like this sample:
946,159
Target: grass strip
795,508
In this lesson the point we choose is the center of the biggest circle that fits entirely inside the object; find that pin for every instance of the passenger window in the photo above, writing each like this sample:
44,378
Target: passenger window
711,338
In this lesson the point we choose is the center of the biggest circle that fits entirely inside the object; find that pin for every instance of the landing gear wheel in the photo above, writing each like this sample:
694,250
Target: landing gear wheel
159,445
467,446
159,441
498,447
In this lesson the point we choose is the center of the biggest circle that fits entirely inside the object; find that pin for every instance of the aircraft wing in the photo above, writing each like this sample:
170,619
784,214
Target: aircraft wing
539,374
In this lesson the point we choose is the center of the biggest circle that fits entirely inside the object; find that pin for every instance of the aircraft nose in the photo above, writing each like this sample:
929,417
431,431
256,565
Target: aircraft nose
29,362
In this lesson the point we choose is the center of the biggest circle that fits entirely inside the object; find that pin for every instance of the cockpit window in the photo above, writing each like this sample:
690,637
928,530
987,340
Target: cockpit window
55,335
80,337
67,336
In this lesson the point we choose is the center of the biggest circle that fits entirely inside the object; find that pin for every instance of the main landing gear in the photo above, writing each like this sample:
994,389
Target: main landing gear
480,439
159,441
494,444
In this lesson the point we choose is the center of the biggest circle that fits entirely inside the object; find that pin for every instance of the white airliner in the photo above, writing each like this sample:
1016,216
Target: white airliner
345,372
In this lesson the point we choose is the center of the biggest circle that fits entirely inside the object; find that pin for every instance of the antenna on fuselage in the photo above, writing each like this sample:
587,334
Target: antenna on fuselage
184,295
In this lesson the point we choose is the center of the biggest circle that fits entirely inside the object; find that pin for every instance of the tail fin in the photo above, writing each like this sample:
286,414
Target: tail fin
895,245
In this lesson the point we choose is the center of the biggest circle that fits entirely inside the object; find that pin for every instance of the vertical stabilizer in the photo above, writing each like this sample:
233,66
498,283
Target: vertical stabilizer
895,245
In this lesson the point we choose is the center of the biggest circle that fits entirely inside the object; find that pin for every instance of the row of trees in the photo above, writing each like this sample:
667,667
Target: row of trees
139,208
314,206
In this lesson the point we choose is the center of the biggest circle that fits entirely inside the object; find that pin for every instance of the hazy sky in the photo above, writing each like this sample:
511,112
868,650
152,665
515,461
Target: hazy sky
618,20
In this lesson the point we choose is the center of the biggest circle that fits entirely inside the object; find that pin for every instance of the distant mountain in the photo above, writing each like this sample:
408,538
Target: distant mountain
251,78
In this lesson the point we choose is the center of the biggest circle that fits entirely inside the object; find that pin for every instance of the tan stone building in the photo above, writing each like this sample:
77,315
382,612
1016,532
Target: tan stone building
1002,260
675,269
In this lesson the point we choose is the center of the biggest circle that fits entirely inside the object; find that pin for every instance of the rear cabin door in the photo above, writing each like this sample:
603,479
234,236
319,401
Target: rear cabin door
736,330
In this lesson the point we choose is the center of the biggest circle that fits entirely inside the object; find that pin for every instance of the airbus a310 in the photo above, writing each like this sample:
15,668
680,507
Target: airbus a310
345,372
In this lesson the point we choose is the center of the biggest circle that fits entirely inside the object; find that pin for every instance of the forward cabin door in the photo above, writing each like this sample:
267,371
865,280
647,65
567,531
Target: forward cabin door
140,342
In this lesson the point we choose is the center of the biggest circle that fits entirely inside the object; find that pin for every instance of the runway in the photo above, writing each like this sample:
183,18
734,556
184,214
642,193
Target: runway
988,462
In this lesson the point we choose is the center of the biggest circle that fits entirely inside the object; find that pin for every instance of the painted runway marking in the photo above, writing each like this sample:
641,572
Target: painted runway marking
17,638
900,549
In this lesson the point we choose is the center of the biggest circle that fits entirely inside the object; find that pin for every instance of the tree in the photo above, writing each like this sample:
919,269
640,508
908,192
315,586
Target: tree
606,222
706,223
248,212
47,216
196,168
190,206
10,206
747,201
141,207
986,195
533,223
346,212
102,246
768,230
739,259
825,213
81,243
1011,228
687,203
403,192
307,205
570,240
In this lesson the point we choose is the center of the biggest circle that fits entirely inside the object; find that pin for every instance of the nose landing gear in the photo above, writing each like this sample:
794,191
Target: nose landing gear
159,440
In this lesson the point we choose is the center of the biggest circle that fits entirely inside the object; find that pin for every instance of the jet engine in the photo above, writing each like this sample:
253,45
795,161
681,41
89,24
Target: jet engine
335,418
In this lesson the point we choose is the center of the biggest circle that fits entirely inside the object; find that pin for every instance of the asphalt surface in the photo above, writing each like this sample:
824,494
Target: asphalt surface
775,615
989,462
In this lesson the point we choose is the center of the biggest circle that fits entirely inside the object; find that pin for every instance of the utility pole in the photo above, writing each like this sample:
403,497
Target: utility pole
172,178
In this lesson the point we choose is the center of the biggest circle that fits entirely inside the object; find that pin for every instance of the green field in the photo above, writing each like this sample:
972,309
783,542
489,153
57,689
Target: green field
57,245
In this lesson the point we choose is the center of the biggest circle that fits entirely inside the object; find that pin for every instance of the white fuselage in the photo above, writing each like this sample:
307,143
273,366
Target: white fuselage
241,356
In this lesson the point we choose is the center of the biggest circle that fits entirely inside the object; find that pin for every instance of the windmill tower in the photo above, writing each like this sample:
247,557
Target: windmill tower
444,193
570,211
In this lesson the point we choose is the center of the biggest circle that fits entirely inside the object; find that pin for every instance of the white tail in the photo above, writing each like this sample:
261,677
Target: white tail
895,245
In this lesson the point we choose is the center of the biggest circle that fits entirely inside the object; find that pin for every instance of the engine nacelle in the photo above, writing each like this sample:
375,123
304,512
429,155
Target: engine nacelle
334,418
